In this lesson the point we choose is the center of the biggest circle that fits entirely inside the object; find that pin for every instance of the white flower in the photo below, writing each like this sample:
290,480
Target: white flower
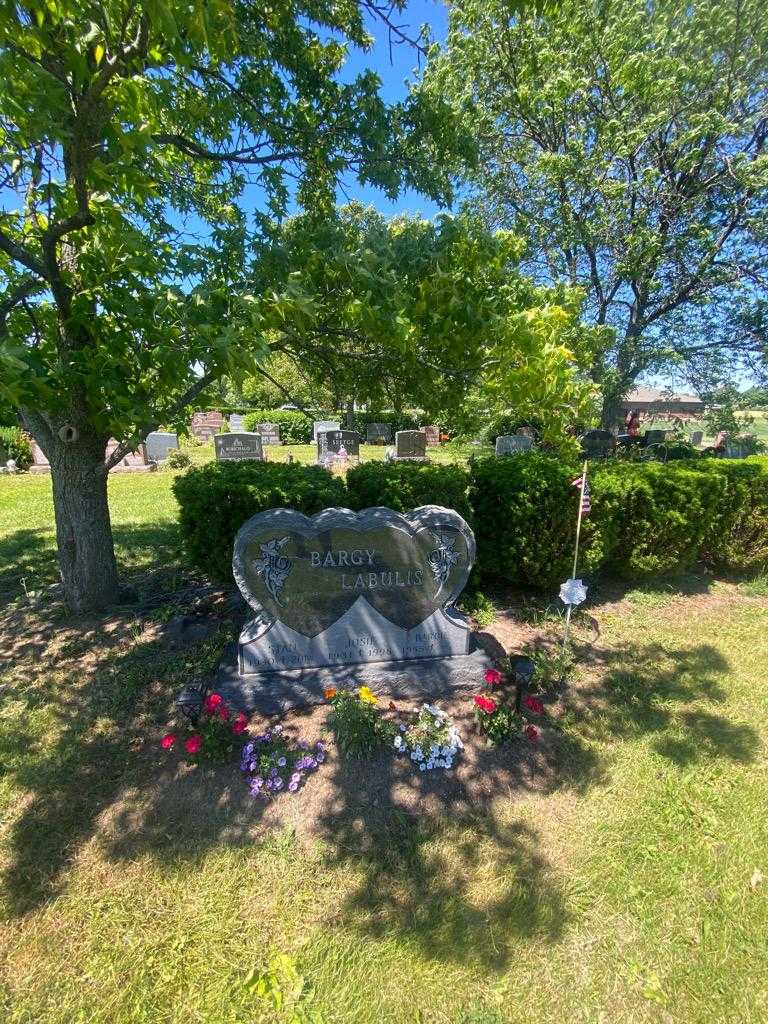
398,742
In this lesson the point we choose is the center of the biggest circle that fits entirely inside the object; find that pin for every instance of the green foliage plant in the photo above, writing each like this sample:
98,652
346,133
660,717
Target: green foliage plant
404,486
14,445
295,427
357,723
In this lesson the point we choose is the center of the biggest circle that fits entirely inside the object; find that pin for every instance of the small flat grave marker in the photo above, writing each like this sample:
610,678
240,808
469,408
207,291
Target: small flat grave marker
238,447
236,423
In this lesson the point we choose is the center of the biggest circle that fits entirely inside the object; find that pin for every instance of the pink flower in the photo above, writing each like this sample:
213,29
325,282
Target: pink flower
168,740
224,713
534,704
533,732
212,702
485,704
492,676
239,724
193,744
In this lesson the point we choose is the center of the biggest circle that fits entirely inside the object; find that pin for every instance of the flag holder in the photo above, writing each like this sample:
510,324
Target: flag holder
575,553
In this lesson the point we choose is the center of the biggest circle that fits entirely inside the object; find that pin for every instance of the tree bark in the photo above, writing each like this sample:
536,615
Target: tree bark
611,413
83,529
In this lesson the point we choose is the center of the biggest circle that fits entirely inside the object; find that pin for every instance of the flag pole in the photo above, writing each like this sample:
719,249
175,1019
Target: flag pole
576,551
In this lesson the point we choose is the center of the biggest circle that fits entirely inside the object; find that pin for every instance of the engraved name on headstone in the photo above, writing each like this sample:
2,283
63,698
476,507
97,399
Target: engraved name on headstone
238,447
330,442
512,444
345,587
433,434
159,443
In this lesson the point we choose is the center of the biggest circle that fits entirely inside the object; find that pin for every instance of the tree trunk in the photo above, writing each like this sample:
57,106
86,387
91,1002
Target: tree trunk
350,414
83,528
611,414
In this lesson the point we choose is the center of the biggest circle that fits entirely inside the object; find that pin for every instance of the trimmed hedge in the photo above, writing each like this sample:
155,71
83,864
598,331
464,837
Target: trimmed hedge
216,499
398,421
14,445
403,486
648,519
295,427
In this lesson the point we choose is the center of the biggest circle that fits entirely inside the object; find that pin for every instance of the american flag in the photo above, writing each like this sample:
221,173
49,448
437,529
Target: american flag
586,504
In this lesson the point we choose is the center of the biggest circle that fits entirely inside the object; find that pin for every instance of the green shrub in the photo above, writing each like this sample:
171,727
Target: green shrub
403,486
358,725
651,518
524,508
295,427
178,459
397,420
738,537
216,499
14,445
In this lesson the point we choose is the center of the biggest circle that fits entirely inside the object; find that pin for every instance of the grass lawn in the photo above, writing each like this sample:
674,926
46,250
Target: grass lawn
617,873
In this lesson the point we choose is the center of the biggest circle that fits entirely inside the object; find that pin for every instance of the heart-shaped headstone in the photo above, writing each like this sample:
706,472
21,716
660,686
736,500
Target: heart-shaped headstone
307,572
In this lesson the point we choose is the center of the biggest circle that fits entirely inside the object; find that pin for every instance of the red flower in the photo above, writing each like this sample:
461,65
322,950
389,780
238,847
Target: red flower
492,676
212,702
533,732
239,724
224,713
534,704
193,744
168,740
485,704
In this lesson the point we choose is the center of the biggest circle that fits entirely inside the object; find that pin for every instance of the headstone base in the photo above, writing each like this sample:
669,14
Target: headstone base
419,680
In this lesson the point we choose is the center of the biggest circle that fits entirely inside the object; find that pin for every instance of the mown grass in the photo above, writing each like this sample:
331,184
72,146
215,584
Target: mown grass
629,885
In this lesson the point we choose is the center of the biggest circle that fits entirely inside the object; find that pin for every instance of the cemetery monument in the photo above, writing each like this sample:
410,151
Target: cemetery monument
238,447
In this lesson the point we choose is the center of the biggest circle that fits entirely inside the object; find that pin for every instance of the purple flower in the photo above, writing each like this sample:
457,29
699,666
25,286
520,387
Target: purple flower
292,786
320,746
255,786
274,772
247,750
270,784
302,745
278,783
320,757
281,761
311,762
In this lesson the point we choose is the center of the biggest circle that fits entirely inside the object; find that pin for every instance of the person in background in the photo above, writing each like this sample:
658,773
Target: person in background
632,422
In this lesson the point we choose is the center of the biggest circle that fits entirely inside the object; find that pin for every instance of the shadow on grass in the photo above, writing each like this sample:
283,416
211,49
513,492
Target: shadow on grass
441,861
30,554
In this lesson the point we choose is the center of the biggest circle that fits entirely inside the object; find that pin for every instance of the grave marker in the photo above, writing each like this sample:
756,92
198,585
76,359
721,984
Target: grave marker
238,447
269,432
513,444
322,426
379,433
432,433
344,587
159,443
410,444
236,422
330,442
206,425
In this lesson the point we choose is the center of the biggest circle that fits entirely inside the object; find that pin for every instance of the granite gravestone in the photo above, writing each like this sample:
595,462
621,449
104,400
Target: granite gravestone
410,444
330,442
236,422
432,433
269,433
206,425
378,433
513,444
321,426
343,587
238,447
697,436
159,443
132,462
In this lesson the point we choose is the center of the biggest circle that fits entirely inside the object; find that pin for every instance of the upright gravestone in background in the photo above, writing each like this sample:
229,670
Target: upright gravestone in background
236,422
159,443
206,425
432,433
378,433
410,444
343,587
322,426
238,447
269,433
512,444
330,442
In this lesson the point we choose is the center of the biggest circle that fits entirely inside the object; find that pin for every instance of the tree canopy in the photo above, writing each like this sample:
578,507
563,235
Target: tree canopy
135,137
423,313
627,143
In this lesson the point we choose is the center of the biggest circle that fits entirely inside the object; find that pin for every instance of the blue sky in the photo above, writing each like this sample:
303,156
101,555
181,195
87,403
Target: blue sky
395,68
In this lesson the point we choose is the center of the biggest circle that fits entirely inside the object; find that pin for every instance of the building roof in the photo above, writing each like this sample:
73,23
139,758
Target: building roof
644,396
